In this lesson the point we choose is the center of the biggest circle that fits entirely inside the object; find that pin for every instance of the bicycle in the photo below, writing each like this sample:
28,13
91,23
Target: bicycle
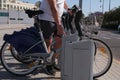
19,67
41,60
102,50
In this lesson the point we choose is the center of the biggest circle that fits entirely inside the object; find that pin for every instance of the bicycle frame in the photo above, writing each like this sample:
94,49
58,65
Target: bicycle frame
46,56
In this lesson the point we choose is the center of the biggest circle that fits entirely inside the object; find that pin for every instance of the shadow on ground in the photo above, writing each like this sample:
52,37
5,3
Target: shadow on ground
4,75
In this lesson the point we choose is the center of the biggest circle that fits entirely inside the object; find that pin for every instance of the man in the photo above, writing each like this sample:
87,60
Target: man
51,23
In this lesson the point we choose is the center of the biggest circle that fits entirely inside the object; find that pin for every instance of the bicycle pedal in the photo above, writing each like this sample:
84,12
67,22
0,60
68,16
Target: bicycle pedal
31,64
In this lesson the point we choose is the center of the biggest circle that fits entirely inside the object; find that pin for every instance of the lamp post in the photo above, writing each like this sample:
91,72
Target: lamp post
90,6
109,4
80,4
103,7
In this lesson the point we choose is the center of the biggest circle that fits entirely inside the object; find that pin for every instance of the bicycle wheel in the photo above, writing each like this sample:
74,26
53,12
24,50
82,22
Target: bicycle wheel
102,58
11,64
18,57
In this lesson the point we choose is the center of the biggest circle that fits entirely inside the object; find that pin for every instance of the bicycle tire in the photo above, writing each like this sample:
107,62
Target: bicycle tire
16,55
110,57
5,55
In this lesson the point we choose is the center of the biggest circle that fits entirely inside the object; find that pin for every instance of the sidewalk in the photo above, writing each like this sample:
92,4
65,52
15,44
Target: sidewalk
10,26
112,74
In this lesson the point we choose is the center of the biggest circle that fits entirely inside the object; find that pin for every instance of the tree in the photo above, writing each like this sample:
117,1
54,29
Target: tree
37,4
112,18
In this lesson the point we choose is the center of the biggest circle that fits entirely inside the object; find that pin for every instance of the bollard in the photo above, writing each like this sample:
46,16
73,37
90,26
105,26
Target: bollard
77,59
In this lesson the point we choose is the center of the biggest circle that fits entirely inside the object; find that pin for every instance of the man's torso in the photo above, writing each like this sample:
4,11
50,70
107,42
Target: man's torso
47,11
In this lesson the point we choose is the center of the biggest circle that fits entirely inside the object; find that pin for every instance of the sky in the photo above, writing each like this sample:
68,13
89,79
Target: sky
96,5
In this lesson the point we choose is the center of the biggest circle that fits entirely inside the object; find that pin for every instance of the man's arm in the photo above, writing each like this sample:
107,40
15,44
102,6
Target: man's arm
65,6
55,14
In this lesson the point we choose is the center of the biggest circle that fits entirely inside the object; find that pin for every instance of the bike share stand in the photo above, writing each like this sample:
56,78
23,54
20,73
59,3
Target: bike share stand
77,59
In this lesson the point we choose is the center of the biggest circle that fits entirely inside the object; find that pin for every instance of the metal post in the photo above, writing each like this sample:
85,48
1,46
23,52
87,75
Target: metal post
109,4
18,16
103,7
90,6
80,4
8,20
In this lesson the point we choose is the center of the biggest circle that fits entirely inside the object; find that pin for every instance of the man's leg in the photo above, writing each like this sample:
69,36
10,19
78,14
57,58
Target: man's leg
48,29
58,51
57,45
48,43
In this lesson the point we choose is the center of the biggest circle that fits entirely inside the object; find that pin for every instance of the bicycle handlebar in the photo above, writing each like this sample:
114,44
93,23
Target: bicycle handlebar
74,8
78,15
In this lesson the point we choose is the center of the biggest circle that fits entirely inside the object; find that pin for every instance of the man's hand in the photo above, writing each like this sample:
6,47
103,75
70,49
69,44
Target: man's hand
70,12
60,30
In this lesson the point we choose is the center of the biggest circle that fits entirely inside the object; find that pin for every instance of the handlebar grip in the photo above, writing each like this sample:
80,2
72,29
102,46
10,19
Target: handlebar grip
78,17
74,9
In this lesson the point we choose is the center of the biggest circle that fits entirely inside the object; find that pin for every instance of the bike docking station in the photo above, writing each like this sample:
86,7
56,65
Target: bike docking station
76,58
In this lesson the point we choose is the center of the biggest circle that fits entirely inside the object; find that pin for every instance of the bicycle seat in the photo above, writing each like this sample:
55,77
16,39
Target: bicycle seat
32,13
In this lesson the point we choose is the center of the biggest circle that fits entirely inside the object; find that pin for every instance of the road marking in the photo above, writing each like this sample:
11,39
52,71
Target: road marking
118,38
106,37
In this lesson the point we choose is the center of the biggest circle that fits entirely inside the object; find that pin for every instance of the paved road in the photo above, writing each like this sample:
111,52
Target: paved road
112,38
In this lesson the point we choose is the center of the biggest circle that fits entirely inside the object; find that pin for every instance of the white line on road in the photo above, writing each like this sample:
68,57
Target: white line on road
118,38
106,38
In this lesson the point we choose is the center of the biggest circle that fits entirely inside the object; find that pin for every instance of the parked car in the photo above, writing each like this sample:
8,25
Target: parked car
119,28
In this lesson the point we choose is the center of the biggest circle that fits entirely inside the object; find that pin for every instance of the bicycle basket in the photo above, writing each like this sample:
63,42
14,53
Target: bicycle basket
24,39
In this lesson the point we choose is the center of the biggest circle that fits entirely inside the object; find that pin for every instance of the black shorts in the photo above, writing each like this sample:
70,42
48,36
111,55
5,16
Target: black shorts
49,28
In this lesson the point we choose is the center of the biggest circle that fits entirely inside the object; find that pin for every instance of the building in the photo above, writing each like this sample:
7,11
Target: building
15,5
12,11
